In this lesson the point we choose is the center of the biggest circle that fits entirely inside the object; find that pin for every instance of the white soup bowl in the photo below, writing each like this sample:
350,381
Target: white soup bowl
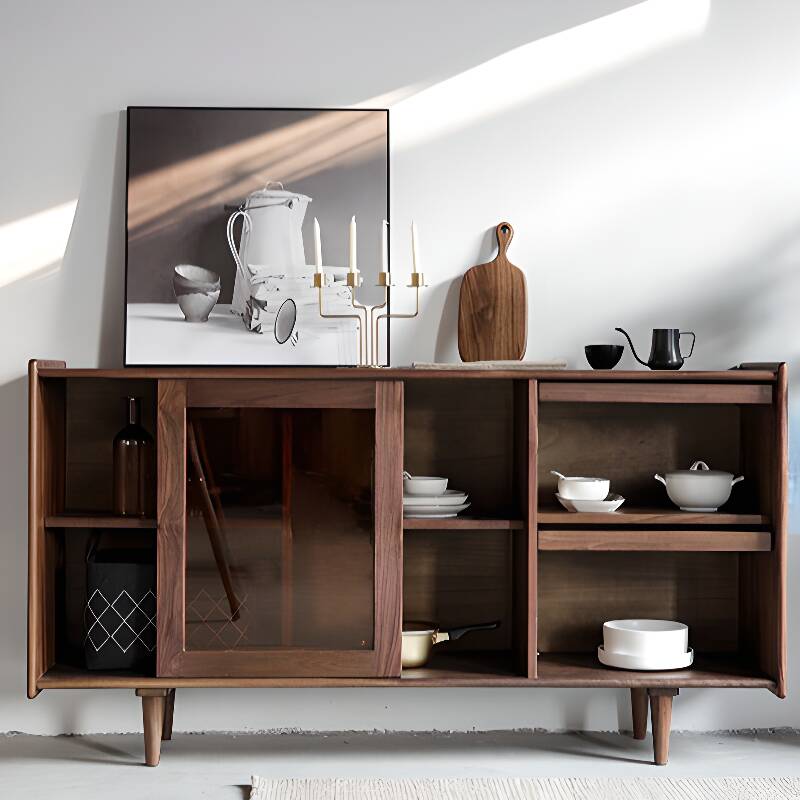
654,638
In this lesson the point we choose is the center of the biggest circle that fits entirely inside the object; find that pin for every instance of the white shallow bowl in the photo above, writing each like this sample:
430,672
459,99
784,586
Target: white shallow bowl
611,503
452,497
579,488
645,663
646,638
435,512
424,485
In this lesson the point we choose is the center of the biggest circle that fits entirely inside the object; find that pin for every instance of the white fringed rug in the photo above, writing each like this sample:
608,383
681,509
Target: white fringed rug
527,789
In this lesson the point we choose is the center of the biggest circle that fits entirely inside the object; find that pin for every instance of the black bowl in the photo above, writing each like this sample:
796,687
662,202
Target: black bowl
603,356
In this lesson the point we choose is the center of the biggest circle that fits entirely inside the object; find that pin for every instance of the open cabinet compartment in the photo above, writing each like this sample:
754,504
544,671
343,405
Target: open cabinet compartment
94,412
73,424
712,571
475,434
474,568
467,578
630,442
715,594
111,617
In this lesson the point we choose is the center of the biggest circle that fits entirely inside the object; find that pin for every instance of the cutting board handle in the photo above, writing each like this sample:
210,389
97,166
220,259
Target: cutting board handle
505,233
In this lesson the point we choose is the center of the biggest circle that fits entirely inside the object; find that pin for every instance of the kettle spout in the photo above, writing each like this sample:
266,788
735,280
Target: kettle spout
633,349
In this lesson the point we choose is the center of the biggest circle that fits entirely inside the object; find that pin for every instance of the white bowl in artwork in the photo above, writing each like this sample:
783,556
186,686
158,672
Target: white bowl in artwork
195,277
196,290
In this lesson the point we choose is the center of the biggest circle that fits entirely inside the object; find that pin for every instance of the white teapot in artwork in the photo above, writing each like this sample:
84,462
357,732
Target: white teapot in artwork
271,242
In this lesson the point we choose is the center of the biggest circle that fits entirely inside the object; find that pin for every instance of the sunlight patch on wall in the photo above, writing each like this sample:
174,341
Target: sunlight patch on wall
30,244
545,65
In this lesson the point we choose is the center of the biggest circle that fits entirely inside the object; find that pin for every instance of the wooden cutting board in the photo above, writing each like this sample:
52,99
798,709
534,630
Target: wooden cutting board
493,308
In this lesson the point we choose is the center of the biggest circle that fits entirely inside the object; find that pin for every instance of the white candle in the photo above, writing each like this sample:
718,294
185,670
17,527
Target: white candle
385,246
353,246
317,246
414,247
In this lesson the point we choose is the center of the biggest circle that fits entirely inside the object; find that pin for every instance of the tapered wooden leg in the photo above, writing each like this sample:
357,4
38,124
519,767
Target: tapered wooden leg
169,712
153,705
639,712
661,711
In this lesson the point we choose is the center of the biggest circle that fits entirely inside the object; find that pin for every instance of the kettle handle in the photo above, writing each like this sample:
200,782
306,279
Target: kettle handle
691,349
241,272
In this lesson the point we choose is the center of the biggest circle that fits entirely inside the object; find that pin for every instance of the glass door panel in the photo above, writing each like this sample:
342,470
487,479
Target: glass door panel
280,545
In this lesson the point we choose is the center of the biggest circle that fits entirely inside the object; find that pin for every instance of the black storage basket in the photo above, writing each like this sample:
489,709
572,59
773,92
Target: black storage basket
120,612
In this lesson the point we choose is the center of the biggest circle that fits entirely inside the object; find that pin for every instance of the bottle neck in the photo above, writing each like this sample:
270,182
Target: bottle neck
133,409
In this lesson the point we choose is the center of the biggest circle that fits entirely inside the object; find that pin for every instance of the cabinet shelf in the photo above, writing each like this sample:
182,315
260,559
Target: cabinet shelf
705,540
463,524
633,515
461,668
708,670
77,520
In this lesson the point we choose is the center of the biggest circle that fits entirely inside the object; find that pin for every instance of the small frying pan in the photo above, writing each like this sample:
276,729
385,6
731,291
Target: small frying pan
420,637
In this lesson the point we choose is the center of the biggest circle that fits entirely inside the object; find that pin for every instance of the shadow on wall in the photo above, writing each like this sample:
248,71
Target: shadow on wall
112,325
13,535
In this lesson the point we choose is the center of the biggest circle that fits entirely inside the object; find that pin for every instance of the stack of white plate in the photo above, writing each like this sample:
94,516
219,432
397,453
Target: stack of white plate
645,644
429,498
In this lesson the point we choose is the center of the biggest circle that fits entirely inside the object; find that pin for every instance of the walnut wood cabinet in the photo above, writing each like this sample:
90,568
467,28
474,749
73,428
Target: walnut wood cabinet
283,558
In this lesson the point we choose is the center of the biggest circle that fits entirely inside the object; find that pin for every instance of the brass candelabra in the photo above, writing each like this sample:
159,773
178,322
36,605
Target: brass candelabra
367,319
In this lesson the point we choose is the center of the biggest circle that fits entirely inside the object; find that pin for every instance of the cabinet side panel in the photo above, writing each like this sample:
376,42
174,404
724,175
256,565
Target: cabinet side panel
45,496
762,629
388,526
781,523
171,510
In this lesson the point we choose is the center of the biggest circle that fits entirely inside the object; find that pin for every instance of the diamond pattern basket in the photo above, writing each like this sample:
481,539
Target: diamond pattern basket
120,612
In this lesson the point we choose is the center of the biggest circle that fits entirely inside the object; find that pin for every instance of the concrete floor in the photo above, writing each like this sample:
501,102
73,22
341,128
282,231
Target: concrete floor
219,765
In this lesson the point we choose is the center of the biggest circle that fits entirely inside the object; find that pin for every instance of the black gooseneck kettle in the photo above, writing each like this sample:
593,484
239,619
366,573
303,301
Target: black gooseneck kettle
665,352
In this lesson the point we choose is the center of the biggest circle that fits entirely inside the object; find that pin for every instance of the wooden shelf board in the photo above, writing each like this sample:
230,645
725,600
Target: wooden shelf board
583,669
732,376
461,668
454,669
89,520
614,392
463,524
635,515
705,540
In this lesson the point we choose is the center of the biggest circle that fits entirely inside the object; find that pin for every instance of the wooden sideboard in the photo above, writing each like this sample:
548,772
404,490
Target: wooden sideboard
283,558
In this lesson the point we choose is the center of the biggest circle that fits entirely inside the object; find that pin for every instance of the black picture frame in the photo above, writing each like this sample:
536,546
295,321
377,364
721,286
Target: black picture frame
144,365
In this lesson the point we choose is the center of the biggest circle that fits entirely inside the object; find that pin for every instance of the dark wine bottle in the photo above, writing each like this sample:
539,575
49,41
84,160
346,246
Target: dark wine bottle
134,466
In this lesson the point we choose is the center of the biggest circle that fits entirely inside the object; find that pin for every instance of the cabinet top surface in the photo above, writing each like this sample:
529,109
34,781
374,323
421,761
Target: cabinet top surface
761,374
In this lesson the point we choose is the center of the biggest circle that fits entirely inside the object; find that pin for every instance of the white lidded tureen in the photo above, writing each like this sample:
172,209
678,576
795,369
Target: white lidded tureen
698,488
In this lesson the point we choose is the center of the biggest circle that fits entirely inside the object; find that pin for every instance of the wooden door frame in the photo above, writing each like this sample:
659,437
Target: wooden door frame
383,660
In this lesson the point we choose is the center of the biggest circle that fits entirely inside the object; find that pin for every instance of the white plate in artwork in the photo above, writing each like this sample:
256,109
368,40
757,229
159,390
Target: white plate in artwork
611,503
452,497
655,663
434,512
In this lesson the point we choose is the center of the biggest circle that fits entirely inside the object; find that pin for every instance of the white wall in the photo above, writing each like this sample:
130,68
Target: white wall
649,164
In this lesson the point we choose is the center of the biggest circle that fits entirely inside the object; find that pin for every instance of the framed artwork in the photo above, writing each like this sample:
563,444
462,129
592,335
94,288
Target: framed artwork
231,212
